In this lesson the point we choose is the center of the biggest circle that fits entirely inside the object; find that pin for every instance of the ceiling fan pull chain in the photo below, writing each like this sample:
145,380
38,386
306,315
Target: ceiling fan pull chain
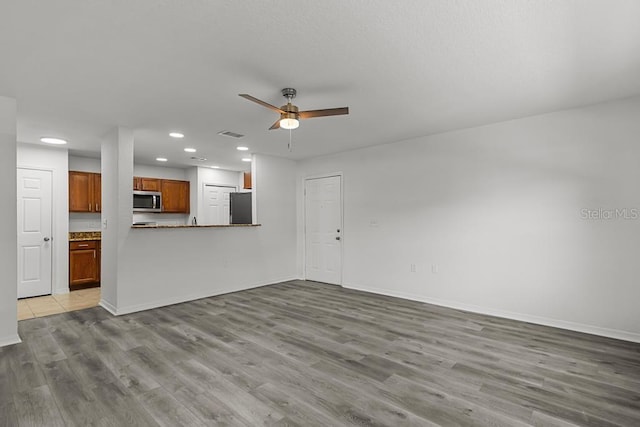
290,142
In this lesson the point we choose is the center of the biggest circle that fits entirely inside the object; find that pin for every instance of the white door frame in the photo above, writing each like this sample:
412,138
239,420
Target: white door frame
304,220
54,238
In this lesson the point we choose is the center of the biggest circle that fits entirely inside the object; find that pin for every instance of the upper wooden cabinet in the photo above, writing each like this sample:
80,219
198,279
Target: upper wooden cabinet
97,192
175,196
247,181
85,192
146,184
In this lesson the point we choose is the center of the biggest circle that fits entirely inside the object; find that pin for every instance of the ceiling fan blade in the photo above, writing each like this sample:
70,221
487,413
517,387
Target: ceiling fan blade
276,125
323,113
257,101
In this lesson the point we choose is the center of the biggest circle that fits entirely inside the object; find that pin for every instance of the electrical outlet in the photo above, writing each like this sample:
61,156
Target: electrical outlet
413,268
434,268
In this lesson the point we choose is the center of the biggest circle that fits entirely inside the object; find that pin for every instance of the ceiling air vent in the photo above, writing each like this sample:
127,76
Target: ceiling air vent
200,159
230,134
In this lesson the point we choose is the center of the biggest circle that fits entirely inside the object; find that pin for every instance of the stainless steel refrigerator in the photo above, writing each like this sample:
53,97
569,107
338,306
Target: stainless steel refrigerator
240,208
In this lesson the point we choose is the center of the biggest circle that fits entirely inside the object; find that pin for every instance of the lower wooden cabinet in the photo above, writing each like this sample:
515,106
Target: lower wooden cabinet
84,263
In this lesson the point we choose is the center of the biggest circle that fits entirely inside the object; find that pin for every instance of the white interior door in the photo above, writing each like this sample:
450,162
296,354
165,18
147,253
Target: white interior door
323,230
217,204
34,232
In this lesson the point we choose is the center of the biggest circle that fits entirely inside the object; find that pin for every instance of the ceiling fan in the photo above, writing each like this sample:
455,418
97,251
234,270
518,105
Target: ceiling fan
289,113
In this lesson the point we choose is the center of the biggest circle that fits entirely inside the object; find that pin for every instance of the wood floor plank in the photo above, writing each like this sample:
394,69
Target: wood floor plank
166,410
123,406
75,401
309,354
8,415
37,407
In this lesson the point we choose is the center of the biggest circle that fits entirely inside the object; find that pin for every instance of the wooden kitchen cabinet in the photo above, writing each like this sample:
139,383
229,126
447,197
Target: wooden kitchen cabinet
247,181
84,263
175,196
146,184
97,192
85,192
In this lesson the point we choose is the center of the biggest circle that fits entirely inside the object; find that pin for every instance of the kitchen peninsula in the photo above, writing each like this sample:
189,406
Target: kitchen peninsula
193,226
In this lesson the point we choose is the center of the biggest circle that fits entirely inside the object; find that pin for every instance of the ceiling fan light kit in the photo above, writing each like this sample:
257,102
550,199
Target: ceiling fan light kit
289,121
290,116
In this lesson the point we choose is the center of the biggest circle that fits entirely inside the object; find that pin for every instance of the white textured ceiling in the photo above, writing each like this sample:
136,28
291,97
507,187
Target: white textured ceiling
405,68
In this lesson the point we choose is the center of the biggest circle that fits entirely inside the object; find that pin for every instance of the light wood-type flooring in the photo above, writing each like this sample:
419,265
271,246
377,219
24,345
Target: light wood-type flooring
309,354
28,308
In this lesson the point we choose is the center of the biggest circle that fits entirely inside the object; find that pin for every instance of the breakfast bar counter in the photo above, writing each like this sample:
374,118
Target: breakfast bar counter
193,226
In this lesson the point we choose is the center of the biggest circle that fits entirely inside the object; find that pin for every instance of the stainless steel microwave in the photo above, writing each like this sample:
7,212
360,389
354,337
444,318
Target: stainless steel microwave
147,201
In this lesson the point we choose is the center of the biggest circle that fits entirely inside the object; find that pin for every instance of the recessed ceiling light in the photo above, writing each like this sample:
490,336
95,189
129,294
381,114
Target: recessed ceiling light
190,150
242,148
50,140
214,167
246,159
161,159
176,135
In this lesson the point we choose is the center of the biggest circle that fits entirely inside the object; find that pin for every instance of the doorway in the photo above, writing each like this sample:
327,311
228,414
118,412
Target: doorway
217,204
323,229
34,232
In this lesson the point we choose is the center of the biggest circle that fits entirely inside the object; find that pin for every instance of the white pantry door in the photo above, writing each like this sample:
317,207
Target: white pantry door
34,232
323,229
217,204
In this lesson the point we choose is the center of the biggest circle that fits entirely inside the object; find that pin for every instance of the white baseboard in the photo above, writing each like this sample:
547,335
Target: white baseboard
181,298
108,306
555,323
10,340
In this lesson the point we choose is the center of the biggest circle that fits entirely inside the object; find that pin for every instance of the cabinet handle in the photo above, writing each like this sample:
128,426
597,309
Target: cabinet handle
89,207
82,246
97,207
94,254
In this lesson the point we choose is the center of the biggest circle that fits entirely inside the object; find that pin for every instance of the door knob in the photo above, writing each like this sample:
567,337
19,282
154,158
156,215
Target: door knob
46,239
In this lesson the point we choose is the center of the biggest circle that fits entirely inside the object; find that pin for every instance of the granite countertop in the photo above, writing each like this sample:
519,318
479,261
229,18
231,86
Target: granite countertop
195,226
79,236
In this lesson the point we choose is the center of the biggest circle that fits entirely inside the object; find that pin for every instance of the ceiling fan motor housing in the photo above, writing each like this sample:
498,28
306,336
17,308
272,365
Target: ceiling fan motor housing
291,112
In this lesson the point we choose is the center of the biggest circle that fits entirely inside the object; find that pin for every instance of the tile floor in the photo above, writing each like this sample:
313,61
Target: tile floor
28,308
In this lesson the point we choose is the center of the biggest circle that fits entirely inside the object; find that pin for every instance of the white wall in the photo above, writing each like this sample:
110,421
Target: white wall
84,164
55,160
164,266
117,210
160,172
89,164
497,211
8,224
